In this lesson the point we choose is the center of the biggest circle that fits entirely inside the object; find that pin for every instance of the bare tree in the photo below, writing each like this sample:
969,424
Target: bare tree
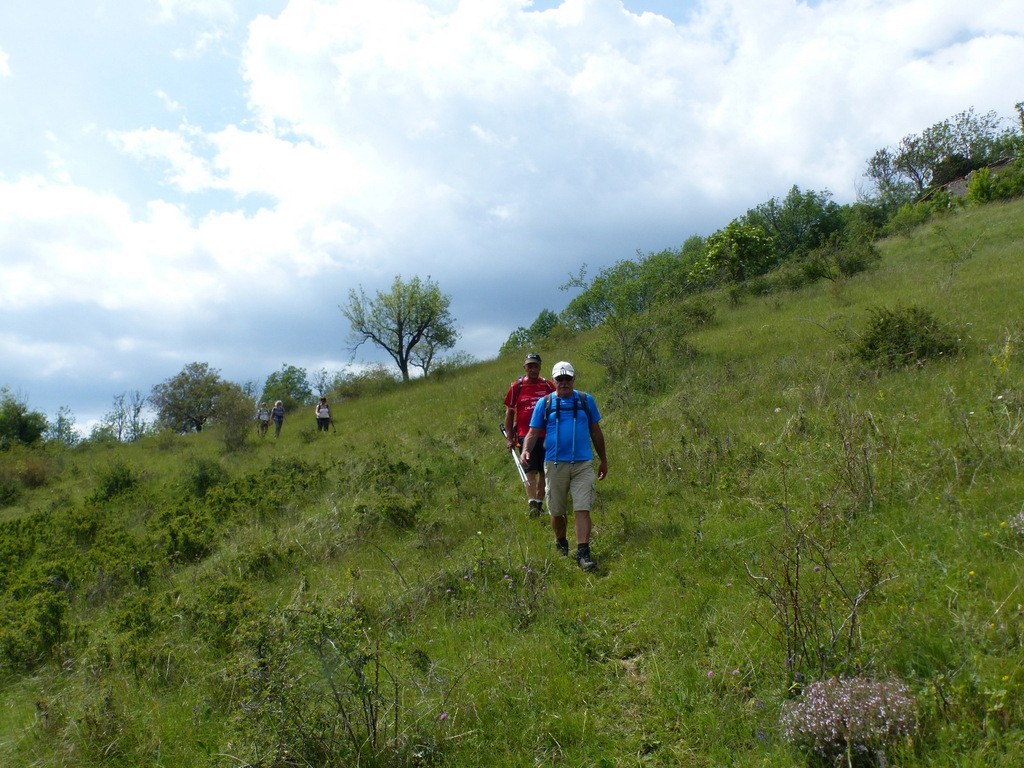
411,322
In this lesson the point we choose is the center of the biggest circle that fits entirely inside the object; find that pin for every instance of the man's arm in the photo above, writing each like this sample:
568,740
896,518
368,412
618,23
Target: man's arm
597,438
510,417
528,442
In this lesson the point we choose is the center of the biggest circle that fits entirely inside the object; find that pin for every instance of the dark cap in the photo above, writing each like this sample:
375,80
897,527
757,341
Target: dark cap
533,357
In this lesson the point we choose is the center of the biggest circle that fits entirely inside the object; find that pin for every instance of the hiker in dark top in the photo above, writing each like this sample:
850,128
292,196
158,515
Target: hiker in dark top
277,416
323,415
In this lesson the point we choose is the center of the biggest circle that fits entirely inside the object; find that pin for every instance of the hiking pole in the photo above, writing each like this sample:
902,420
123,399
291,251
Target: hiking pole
332,426
515,459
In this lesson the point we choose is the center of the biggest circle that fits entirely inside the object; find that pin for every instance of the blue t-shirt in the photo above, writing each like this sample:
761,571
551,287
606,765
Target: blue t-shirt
568,438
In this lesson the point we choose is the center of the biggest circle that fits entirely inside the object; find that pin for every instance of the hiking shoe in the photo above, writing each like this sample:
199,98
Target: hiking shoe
586,562
562,547
536,507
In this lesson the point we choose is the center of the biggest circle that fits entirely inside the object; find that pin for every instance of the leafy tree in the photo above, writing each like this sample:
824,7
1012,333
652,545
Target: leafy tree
18,425
736,253
324,381
892,189
290,385
117,418
123,423
187,401
633,286
62,429
666,275
616,286
540,329
942,152
411,322
799,223
234,416
518,339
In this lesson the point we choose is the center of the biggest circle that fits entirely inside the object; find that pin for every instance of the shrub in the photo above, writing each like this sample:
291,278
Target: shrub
317,688
35,471
201,475
20,469
117,480
30,628
375,380
896,338
912,215
234,417
10,488
1010,181
986,185
838,259
216,608
853,720
452,364
189,534
979,187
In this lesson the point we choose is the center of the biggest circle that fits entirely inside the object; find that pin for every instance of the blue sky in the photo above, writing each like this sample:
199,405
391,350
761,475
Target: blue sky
205,180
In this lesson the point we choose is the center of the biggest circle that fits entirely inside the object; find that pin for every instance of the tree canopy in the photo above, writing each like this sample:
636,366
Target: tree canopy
942,152
188,400
290,385
411,322
17,423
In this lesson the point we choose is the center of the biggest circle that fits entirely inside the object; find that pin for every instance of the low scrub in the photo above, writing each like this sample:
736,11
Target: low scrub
897,338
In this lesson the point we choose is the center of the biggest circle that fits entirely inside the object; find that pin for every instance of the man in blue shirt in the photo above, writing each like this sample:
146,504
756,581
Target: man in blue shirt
570,420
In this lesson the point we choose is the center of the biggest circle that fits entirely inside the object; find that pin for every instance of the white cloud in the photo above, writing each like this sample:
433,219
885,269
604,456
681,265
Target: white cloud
211,10
176,149
480,142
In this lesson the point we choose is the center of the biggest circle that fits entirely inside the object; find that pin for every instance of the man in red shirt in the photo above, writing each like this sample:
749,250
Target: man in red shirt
522,396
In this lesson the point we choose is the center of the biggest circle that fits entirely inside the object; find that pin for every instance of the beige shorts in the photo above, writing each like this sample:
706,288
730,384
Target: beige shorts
564,479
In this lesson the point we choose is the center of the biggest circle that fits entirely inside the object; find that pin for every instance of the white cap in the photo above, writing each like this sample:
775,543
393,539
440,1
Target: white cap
563,368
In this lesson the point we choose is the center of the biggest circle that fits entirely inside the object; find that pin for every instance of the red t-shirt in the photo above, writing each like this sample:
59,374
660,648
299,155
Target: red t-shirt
523,396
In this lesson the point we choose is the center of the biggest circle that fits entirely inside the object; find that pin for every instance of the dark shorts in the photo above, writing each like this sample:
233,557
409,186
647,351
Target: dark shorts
536,463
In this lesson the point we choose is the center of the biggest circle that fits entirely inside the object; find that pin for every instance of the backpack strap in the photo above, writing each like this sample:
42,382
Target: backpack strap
517,389
551,403
586,407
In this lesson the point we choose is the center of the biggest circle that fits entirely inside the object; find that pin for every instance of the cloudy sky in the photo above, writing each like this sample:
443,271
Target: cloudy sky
205,180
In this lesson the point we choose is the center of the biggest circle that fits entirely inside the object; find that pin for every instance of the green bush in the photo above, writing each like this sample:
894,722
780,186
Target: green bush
985,185
896,338
201,475
216,608
21,468
10,488
117,480
32,626
188,534
912,215
317,688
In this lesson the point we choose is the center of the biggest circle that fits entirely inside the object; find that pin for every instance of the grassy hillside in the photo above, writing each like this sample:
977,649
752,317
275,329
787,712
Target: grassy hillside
782,514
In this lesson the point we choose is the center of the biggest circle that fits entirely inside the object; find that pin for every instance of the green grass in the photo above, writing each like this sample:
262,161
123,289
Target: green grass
899,486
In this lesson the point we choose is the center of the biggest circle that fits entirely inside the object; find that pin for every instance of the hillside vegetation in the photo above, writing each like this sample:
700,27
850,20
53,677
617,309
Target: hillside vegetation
779,511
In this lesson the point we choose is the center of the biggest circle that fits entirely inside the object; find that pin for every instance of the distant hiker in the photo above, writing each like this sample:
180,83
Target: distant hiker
323,415
263,419
522,396
277,416
571,417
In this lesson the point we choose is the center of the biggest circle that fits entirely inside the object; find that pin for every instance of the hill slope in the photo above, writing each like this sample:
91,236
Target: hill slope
780,514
